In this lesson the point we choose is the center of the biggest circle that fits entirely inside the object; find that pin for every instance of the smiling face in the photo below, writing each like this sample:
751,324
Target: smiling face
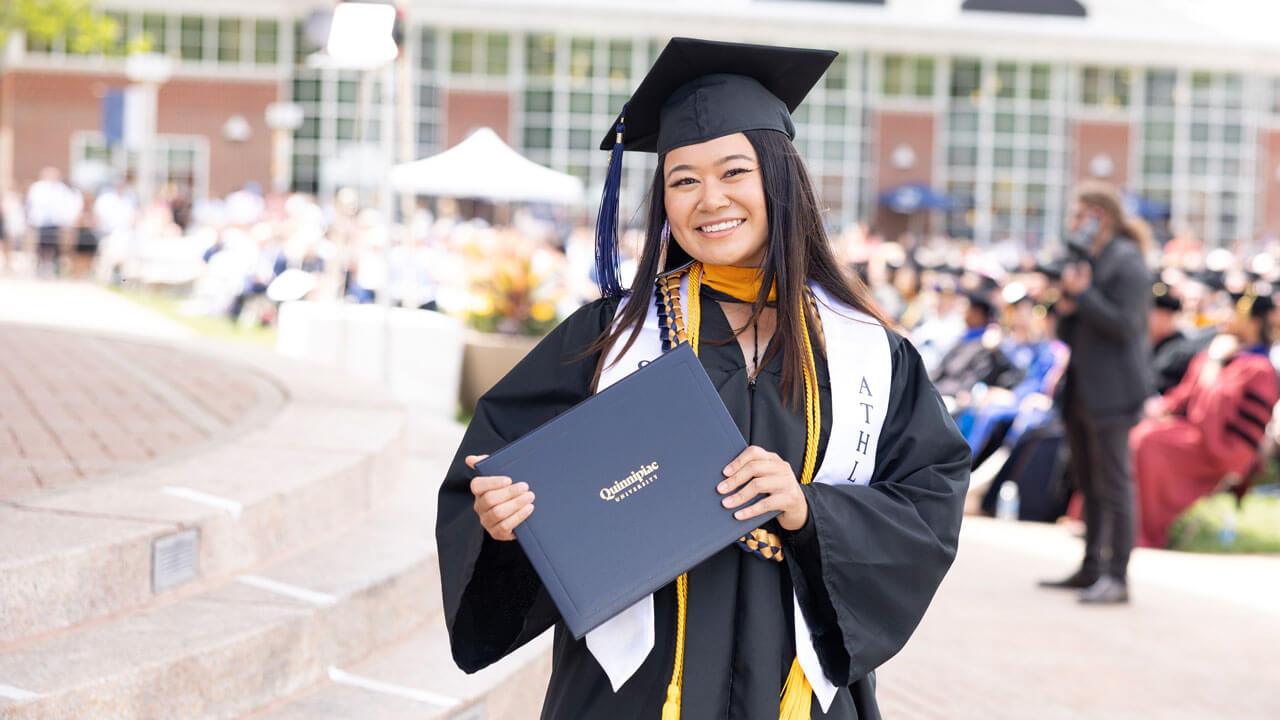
714,197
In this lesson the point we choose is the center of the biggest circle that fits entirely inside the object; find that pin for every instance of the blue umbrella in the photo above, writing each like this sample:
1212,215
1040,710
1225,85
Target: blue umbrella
913,197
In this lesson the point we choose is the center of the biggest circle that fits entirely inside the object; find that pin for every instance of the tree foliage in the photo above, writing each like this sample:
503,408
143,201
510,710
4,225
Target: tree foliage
85,29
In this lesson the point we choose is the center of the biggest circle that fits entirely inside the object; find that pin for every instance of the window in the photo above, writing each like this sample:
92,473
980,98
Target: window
120,22
619,61
462,52
192,37
1104,87
156,29
229,36
1198,146
477,53
266,41
965,78
540,55
581,58
906,76
497,53
179,159
1004,140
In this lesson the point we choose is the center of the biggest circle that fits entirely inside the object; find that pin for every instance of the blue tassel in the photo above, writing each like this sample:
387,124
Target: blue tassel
607,222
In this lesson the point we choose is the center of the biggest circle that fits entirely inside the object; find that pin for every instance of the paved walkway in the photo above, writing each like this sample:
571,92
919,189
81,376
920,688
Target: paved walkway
74,405
1201,638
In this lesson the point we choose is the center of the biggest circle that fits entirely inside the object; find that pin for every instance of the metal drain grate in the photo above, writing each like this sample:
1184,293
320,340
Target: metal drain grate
173,559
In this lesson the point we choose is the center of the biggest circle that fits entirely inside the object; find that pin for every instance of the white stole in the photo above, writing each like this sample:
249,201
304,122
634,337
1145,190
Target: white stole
860,370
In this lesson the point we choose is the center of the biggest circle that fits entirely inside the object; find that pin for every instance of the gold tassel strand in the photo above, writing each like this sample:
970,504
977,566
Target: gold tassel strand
671,708
797,693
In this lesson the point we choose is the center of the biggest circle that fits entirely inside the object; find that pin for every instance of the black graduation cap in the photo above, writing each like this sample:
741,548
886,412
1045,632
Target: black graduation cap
699,90
1164,299
1252,305
1212,279
980,300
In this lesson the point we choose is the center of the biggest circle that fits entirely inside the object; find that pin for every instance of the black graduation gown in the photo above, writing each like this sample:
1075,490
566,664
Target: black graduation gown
865,566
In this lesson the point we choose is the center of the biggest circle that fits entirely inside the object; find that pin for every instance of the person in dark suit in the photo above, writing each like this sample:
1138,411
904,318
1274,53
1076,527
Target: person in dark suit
1105,306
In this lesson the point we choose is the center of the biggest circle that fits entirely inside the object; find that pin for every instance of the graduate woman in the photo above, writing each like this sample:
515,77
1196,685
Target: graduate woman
848,438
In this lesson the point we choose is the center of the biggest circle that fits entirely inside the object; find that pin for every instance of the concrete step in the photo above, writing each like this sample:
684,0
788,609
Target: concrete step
266,634
88,550
417,680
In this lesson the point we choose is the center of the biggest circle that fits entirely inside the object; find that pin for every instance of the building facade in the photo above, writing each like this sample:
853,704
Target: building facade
1000,112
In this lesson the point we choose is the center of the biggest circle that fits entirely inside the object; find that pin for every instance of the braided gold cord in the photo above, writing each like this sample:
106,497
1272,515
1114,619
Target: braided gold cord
797,690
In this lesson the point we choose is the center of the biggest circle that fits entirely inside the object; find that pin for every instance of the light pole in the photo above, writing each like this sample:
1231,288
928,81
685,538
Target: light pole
148,71
283,118
360,38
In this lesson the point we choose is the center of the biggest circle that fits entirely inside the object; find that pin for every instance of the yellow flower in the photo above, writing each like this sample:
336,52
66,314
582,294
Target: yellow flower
543,312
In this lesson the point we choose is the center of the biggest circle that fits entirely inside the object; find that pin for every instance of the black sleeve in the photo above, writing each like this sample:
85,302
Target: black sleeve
1117,307
493,600
870,557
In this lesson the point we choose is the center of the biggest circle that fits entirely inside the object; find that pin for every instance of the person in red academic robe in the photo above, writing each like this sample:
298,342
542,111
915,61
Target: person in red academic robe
1208,425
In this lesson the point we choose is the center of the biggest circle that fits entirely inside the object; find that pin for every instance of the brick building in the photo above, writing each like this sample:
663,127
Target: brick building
1001,111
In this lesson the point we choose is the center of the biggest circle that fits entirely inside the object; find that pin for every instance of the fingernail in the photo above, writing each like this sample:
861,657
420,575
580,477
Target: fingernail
522,486
728,470
727,502
529,495
740,515
722,487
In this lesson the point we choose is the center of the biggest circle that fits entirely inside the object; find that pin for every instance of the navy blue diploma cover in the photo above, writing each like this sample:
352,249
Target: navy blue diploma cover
625,488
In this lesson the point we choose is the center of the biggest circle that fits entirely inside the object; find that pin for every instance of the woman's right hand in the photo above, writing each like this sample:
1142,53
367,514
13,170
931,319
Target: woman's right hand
500,504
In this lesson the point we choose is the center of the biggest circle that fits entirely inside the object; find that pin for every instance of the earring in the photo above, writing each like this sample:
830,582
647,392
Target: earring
664,238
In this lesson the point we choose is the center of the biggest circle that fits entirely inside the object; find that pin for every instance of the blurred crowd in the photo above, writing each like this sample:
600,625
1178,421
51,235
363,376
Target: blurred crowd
241,255
987,322
985,319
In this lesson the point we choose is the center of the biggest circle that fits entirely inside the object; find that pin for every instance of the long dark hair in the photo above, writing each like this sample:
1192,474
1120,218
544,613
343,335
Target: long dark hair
797,250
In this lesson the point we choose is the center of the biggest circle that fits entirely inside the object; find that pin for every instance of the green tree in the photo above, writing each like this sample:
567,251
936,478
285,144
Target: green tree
85,29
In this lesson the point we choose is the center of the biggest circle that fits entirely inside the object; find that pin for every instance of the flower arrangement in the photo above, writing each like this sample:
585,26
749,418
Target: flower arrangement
514,282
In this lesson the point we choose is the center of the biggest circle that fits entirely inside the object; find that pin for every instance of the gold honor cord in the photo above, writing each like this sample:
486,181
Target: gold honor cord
797,693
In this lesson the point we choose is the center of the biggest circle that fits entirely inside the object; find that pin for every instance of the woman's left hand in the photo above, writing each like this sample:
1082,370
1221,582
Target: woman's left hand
759,472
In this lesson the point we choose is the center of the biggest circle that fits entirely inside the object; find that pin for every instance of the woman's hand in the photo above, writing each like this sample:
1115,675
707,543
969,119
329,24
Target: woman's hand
500,505
759,472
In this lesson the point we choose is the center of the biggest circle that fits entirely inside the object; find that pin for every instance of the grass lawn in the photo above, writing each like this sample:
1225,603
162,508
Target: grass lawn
216,327
1216,525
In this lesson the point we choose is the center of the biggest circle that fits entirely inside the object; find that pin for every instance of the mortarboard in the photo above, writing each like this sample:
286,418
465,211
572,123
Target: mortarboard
699,90
1212,279
1164,298
980,300
1252,305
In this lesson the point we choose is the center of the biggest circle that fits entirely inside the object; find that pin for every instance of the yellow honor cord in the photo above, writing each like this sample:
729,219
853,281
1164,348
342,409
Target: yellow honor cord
797,693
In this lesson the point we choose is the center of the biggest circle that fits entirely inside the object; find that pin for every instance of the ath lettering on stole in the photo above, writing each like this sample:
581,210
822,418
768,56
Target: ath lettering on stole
864,438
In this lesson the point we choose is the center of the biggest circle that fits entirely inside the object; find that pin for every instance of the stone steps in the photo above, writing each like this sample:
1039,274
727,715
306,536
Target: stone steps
311,572
266,634
417,680
328,454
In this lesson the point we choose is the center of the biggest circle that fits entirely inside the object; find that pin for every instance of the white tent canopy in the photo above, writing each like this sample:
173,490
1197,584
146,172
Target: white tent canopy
482,166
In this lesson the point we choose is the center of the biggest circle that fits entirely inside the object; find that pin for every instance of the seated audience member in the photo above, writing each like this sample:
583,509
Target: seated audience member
977,358
1171,349
1040,358
1207,426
